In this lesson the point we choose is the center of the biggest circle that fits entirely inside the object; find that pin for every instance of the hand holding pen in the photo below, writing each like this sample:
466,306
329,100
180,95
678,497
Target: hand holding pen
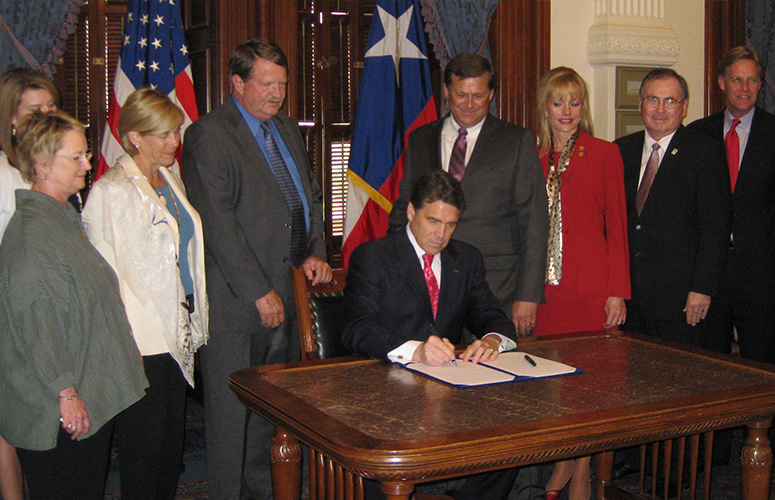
435,351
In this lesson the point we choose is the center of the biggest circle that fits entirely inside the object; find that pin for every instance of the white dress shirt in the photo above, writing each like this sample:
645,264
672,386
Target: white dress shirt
403,353
449,133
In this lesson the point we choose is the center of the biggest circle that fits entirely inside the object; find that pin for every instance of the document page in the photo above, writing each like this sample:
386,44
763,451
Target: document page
516,363
509,366
462,374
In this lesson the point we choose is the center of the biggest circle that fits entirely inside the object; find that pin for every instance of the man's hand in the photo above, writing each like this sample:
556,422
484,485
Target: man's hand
616,312
271,309
485,349
316,270
523,314
696,309
435,351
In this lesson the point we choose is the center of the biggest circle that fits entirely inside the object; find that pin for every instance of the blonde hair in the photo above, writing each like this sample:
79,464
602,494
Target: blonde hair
560,82
147,112
40,137
13,83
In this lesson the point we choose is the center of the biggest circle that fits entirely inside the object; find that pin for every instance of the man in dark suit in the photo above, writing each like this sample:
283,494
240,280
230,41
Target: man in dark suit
678,216
747,299
497,165
247,173
410,294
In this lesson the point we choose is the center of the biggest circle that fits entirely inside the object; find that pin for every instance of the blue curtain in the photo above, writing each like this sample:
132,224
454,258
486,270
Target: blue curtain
760,35
456,26
34,32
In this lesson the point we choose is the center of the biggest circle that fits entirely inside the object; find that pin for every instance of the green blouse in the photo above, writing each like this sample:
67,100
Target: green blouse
62,324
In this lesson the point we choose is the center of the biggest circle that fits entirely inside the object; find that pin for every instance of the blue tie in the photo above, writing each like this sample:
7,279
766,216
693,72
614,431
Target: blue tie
291,195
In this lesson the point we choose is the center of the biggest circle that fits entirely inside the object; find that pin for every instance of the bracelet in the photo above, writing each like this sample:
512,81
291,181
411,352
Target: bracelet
68,398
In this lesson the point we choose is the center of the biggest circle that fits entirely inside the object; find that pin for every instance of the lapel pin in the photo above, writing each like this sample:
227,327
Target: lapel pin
581,151
673,152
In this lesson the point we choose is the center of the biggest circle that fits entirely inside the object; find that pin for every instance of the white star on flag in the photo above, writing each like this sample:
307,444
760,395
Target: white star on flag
159,20
395,43
156,43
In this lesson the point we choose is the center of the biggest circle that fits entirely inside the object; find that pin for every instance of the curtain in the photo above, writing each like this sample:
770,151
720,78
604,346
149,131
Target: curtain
34,32
760,35
456,26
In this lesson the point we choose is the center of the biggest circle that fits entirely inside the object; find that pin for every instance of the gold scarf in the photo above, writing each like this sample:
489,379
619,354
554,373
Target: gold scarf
553,184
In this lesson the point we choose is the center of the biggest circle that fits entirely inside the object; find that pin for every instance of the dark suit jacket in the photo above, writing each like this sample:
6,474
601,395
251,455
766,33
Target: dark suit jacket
506,216
751,267
678,243
388,301
246,222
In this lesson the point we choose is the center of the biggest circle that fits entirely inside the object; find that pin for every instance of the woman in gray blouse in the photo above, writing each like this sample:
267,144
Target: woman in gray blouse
68,363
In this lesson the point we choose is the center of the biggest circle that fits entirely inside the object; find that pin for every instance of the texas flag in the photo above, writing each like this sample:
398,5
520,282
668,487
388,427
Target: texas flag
395,98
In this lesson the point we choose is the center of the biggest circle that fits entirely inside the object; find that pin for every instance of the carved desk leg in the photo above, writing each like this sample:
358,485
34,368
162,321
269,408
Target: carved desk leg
397,490
286,466
757,461
604,464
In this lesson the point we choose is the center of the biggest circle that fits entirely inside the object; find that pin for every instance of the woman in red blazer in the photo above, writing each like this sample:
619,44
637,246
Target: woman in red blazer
587,271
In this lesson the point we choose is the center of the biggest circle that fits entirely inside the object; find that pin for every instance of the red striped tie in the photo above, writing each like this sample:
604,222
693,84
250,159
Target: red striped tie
430,280
733,152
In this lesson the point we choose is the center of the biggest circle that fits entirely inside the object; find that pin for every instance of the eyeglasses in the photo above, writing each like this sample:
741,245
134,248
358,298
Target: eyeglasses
652,102
78,158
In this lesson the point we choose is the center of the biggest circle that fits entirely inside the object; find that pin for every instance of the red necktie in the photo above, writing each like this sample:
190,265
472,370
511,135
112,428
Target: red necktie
430,280
648,177
457,160
733,152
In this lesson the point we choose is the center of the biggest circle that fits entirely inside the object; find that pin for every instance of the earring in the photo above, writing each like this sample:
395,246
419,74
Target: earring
13,130
45,178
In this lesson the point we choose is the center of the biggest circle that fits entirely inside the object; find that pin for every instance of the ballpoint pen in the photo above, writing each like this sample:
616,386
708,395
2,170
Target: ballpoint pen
434,332
530,360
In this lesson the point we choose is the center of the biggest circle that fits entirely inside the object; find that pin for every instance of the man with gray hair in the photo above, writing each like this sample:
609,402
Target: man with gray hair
676,188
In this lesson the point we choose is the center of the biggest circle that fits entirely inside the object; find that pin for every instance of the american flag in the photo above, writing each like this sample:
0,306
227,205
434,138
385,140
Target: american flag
154,54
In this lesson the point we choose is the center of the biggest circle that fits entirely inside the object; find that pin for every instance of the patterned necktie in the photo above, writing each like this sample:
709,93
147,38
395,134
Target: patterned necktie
648,177
457,161
291,195
430,280
733,152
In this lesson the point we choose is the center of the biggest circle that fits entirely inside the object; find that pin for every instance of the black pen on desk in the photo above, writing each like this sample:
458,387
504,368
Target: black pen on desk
530,360
434,332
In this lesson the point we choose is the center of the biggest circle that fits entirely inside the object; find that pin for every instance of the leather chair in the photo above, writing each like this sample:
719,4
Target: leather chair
322,316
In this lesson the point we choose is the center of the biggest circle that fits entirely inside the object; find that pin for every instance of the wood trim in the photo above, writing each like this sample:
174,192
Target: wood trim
520,43
724,29
236,23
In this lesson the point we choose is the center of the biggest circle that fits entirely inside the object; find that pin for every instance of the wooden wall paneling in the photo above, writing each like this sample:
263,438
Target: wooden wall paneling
520,44
200,23
237,21
724,29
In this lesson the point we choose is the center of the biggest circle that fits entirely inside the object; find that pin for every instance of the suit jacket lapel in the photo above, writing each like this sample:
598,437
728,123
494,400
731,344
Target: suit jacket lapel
450,284
251,151
749,166
632,151
484,145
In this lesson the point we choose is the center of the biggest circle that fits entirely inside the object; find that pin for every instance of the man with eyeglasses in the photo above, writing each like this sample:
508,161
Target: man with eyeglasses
676,187
747,300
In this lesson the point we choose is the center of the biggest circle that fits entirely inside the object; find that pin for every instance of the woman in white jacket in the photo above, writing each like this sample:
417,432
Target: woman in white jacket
139,218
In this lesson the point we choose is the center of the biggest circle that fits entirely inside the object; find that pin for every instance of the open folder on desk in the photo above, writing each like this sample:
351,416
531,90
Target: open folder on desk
509,367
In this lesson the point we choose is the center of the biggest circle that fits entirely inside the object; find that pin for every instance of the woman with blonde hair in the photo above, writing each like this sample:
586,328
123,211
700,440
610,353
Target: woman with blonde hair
22,91
587,269
139,218
68,363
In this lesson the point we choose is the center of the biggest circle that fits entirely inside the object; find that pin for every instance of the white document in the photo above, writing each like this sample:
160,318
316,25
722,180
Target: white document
509,366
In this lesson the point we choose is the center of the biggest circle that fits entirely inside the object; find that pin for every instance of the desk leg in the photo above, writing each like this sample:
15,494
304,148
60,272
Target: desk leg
757,461
397,490
286,466
604,465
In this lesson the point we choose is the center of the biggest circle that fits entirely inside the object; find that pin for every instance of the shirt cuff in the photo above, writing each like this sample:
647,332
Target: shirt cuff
403,353
506,343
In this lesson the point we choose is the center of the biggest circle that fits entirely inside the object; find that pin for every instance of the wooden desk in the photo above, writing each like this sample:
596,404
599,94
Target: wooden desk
387,423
